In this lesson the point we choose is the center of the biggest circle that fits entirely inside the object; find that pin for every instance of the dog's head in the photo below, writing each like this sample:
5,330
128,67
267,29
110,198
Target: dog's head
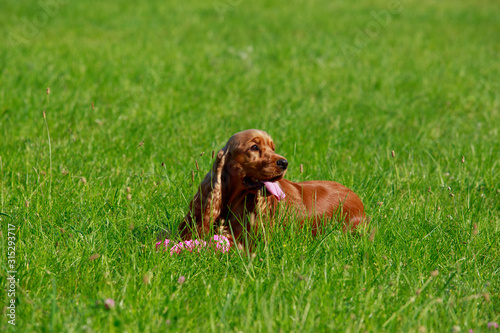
252,160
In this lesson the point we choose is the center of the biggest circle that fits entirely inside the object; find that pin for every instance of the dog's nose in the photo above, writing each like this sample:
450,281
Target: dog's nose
282,163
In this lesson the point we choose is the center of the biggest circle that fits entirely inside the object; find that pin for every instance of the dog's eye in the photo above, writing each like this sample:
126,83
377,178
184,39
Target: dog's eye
254,147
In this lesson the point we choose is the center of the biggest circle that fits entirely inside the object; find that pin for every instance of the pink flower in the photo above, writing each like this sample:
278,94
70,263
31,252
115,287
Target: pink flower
192,245
189,245
177,248
221,243
200,244
181,279
109,303
166,242
492,324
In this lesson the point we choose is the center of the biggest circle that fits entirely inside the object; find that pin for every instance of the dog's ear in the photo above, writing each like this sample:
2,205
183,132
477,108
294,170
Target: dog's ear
213,199
206,205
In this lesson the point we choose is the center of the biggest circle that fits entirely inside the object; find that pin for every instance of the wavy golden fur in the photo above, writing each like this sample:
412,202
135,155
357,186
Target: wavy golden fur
232,194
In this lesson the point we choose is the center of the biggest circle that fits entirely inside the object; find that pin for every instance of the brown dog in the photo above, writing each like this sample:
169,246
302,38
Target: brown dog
246,182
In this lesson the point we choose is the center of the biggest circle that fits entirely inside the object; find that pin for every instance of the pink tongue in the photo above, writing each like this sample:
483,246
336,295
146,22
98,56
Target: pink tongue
275,190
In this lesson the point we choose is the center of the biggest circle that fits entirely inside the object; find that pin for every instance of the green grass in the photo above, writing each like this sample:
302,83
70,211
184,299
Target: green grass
181,78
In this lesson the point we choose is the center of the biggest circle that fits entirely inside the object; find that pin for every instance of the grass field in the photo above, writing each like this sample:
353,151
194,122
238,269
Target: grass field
138,90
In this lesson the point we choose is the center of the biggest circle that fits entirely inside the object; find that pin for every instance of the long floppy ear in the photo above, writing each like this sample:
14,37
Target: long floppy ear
206,205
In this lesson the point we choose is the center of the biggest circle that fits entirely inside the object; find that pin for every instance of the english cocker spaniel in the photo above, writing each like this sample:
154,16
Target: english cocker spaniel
246,185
